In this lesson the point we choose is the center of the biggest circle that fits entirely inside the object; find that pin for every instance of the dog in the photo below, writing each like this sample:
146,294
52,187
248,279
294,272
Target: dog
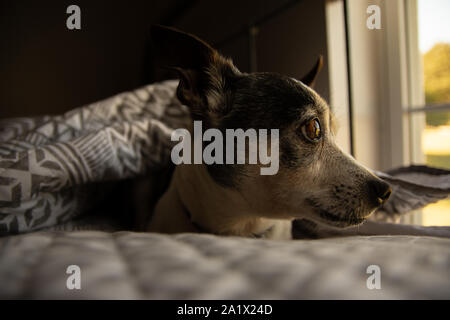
326,191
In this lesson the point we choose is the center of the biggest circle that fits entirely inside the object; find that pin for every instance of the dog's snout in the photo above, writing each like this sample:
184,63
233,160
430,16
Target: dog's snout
379,191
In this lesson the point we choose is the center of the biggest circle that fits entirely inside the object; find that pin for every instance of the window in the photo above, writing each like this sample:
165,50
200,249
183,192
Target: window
399,89
430,121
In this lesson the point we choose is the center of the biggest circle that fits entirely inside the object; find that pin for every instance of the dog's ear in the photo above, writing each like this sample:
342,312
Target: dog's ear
310,78
204,74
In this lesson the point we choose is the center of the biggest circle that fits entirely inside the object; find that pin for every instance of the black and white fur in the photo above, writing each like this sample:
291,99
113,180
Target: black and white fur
318,185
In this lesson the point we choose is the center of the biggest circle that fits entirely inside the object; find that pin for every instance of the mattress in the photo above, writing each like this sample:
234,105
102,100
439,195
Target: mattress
129,265
57,169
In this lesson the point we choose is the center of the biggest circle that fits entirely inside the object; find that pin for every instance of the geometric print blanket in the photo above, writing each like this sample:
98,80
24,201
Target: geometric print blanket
49,165
52,167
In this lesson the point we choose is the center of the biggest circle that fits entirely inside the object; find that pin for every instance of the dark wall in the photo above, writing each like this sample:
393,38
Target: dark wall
289,42
47,69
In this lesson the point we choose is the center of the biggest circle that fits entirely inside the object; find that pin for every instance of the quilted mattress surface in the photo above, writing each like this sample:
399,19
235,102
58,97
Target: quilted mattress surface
127,265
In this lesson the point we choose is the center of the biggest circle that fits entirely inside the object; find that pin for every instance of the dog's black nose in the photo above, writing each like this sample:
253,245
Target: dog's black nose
379,191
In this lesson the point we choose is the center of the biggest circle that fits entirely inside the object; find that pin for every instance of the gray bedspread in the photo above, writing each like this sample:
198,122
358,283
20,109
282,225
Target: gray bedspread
126,265
53,170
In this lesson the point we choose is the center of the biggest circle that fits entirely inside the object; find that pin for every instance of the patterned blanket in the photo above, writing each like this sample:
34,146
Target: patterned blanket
52,167
49,166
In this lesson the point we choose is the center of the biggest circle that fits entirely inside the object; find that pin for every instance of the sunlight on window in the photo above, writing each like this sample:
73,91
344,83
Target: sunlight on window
434,39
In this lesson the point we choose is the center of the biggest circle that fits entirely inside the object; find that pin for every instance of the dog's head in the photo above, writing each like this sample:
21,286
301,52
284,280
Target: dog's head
316,180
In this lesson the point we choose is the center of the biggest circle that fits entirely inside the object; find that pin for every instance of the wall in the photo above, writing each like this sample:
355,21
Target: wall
48,69
289,43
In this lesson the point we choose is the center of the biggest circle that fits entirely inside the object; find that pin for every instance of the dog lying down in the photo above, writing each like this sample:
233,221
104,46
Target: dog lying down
318,185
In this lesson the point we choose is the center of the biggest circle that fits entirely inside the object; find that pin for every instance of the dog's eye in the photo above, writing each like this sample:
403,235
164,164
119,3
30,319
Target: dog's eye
311,130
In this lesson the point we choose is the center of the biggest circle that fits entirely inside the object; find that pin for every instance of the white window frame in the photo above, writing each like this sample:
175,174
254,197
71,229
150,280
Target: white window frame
416,95
386,80
405,74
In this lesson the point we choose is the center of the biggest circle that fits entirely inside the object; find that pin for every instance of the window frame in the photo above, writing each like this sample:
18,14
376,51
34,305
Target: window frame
393,96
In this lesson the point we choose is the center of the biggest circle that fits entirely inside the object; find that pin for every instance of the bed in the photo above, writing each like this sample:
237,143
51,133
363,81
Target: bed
130,265
61,178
